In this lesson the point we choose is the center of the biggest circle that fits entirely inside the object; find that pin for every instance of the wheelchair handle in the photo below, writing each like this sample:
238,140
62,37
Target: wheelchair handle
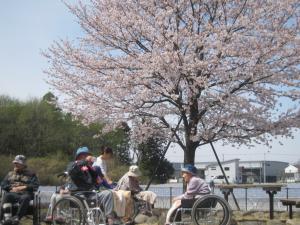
64,174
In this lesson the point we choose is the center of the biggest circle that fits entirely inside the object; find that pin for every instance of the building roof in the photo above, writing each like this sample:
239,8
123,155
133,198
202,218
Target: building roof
291,169
223,162
261,161
204,165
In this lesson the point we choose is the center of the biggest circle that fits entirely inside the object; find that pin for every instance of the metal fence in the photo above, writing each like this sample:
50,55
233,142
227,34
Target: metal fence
247,198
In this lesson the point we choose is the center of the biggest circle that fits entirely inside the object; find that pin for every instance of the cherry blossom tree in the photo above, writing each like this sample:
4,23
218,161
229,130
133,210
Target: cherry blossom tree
218,70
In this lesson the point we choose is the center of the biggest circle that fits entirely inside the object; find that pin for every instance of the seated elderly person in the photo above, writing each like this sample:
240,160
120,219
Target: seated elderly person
196,187
130,183
84,178
20,185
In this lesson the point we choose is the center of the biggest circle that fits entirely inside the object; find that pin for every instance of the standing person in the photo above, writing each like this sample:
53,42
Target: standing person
196,187
101,161
20,185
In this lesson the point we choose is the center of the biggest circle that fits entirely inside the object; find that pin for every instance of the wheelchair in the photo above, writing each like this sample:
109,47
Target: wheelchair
33,211
206,210
83,207
78,208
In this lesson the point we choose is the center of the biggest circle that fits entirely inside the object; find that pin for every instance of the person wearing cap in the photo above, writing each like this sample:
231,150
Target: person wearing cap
83,178
130,182
20,185
196,187
81,172
82,155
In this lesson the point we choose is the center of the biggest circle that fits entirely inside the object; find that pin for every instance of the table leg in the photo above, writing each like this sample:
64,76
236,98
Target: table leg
271,201
290,211
226,193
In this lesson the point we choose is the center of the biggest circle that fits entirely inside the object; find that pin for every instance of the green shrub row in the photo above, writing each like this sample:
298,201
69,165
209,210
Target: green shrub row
47,168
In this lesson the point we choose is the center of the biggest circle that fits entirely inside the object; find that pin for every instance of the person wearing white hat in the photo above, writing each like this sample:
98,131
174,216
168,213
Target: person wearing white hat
130,182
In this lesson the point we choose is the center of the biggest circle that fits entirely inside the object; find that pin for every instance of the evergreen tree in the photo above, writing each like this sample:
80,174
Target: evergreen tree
119,141
149,156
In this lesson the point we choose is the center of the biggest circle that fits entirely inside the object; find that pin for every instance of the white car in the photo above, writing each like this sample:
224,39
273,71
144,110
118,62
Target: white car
220,179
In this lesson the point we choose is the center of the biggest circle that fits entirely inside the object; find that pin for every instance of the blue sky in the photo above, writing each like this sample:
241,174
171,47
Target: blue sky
27,27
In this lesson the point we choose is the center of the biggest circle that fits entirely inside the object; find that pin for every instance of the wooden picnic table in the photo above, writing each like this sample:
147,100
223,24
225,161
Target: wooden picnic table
290,202
270,188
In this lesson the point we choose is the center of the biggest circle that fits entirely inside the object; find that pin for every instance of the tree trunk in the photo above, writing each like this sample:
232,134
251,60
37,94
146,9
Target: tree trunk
189,154
189,157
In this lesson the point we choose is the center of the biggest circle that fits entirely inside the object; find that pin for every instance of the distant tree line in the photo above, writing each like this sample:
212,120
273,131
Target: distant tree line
40,130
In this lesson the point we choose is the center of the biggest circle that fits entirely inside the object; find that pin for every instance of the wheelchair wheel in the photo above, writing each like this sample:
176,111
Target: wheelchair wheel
211,210
36,209
95,216
69,211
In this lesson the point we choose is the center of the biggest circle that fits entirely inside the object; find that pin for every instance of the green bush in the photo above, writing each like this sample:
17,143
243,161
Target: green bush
46,168
5,165
116,170
49,166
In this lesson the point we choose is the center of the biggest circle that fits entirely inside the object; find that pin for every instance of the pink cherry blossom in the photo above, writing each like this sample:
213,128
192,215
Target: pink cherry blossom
227,70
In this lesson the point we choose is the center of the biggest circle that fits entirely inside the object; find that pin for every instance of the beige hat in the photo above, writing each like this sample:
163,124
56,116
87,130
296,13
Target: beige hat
134,171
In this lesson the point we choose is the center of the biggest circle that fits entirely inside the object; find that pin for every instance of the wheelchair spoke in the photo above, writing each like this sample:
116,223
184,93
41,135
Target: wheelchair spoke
95,216
77,210
68,211
211,210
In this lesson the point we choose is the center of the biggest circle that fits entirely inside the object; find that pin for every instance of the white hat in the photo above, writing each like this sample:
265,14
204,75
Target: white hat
134,171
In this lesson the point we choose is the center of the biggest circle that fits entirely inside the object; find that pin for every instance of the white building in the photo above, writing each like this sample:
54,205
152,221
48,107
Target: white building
292,174
240,171
231,169
262,171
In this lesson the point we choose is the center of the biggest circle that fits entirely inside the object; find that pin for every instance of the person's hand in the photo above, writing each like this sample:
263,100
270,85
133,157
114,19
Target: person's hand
18,189
64,191
109,181
99,180
175,199
84,168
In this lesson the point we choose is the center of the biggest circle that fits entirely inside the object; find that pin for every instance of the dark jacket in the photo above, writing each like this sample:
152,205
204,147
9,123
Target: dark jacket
83,176
24,177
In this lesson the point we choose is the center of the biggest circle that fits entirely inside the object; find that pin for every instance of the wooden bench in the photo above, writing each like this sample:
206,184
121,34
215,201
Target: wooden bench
290,202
